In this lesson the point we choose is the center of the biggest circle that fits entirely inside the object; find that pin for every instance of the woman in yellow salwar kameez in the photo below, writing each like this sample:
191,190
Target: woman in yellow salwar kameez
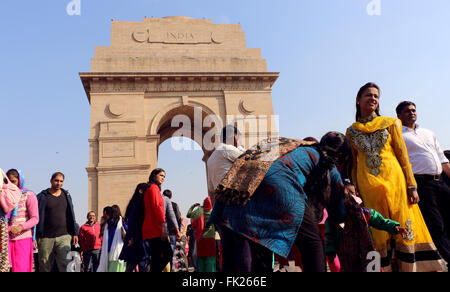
385,180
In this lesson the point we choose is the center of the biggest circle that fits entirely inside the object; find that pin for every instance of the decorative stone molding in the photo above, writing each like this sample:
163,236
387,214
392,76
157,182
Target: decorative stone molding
245,109
117,109
177,82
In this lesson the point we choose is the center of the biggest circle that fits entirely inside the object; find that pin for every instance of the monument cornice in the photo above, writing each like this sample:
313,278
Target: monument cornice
117,169
101,82
124,138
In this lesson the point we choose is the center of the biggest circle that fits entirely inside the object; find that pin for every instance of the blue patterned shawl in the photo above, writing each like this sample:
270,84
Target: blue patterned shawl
273,215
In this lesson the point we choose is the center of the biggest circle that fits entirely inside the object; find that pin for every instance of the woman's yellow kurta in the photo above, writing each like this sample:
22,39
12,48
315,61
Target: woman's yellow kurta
383,173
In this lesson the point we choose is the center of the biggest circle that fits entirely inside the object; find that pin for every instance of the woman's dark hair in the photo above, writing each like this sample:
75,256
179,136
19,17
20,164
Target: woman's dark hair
334,149
115,214
136,200
153,174
360,93
336,146
107,210
13,172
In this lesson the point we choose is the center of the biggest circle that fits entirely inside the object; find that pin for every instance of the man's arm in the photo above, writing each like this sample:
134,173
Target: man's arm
446,168
75,226
442,158
233,153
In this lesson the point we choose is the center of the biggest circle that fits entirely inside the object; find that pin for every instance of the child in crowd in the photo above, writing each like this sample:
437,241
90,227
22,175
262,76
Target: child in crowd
352,240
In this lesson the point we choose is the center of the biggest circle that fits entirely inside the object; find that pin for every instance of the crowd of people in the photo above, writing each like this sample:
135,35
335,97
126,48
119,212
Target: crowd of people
382,187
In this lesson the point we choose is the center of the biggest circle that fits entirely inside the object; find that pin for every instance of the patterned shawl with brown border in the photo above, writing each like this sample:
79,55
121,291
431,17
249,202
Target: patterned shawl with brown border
248,171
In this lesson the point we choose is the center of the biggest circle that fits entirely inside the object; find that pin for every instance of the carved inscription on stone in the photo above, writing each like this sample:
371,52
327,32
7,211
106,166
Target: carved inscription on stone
176,37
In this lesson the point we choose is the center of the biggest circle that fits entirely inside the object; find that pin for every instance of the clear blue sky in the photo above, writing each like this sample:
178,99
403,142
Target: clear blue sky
324,49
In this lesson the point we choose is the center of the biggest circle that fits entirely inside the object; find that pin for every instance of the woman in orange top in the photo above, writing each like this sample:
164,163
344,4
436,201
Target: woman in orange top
384,177
153,228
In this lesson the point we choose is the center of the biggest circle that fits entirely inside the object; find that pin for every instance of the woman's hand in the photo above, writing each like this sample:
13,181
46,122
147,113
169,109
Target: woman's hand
413,196
16,229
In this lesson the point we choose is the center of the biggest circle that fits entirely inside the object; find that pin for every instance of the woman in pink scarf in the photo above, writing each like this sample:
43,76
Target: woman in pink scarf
21,223
9,198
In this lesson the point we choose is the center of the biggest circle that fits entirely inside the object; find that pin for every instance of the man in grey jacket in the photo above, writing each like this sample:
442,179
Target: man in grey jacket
171,225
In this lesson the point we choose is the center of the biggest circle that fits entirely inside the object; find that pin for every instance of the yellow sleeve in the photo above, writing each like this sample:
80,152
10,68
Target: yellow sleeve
401,152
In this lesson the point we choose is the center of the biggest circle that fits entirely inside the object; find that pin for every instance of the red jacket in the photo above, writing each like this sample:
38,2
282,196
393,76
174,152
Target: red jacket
89,237
154,213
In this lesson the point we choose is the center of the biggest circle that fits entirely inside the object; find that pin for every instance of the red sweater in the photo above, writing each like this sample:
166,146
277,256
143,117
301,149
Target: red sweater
89,237
154,213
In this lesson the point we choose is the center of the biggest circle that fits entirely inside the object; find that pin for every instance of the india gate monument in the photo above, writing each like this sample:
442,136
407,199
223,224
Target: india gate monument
155,71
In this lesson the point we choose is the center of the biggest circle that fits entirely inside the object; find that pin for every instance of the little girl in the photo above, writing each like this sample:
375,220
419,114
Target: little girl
353,241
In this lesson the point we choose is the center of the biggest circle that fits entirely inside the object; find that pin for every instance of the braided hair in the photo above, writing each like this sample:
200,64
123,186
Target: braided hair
334,149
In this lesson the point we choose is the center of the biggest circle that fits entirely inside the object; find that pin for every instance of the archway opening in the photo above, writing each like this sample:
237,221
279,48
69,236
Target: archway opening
185,173
187,138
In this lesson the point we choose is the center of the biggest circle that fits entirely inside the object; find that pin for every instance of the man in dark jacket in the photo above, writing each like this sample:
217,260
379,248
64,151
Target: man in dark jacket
56,229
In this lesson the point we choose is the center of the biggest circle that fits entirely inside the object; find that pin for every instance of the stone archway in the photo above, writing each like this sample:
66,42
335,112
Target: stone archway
154,71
